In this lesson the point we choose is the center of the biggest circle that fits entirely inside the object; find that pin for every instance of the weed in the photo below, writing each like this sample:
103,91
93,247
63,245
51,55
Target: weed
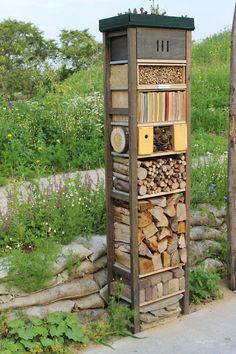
204,285
73,262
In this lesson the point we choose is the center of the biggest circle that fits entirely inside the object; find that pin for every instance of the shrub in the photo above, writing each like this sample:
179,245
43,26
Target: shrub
204,285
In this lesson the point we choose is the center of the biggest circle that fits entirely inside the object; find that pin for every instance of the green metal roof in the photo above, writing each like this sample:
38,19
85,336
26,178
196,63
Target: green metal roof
140,20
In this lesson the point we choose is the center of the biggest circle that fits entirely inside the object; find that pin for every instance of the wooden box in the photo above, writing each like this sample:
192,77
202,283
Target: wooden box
145,140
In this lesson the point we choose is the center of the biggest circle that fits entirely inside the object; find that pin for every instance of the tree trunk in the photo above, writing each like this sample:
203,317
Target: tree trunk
232,166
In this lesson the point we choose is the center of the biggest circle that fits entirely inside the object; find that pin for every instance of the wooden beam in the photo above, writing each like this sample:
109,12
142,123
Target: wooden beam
133,200
185,307
232,166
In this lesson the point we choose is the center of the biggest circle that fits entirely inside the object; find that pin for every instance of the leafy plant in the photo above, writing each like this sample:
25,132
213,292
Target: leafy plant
204,285
51,335
73,262
31,270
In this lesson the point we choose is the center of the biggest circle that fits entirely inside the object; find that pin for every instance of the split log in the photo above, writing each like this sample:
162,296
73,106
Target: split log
161,202
144,205
121,185
145,265
181,212
159,217
175,259
165,232
93,301
181,227
173,244
170,210
183,255
174,224
162,245
144,251
152,243
166,259
149,230
182,242
157,262
73,290
144,219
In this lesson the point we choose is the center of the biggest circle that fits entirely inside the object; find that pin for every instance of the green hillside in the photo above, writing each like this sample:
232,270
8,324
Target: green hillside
64,130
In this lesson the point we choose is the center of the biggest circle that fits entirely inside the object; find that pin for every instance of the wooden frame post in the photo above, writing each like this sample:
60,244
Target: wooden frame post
232,166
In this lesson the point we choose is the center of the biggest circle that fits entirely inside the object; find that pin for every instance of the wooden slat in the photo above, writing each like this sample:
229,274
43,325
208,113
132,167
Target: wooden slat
120,195
162,298
162,153
119,111
116,34
117,62
180,265
188,160
108,162
161,62
120,124
163,87
133,200
161,124
160,194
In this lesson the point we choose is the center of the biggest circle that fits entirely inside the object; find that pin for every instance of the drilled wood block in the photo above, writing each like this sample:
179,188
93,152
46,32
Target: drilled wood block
142,295
173,286
156,75
155,279
178,272
145,140
148,294
154,292
166,276
180,137
182,283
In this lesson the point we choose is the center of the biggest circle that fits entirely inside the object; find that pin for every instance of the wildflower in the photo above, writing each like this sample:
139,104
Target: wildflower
58,141
9,136
40,148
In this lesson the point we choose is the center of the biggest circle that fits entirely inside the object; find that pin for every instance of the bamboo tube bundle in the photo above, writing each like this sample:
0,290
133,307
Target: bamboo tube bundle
154,74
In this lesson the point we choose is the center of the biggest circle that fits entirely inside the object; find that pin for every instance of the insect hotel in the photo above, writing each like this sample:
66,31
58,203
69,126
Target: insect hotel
147,72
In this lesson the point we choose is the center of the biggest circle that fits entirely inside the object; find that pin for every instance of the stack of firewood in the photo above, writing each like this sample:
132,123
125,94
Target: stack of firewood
154,175
161,233
153,75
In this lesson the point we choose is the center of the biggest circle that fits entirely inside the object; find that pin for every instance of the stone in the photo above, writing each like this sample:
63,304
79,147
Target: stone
199,233
93,301
101,277
173,307
147,318
161,304
212,263
198,218
200,248
162,313
173,285
87,316
43,311
178,272
166,276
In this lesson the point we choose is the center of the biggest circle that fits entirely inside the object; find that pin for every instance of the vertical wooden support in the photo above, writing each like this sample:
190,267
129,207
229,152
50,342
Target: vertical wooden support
108,161
232,166
133,199
188,159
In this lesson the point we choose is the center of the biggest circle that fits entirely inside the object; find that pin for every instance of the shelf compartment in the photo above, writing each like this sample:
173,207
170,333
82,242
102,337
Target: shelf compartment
161,74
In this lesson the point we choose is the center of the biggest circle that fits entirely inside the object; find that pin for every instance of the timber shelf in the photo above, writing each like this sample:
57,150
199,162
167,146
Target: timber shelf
125,196
179,265
161,124
162,87
156,300
161,62
162,154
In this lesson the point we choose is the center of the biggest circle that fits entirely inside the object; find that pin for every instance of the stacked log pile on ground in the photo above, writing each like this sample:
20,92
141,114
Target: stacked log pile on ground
156,75
154,175
81,292
161,233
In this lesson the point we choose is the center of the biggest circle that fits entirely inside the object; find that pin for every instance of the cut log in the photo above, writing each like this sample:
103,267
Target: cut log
93,301
173,199
173,244
144,205
144,251
159,217
120,185
141,236
152,243
149,230
144,219
142,190
162,245
181,241
175,259
166,259
120,168
157,262
161,201
119,140
174,224
165,232
145,265
181,227
170,210
73,290
181,212
122,258
120,176
183,255
141,173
